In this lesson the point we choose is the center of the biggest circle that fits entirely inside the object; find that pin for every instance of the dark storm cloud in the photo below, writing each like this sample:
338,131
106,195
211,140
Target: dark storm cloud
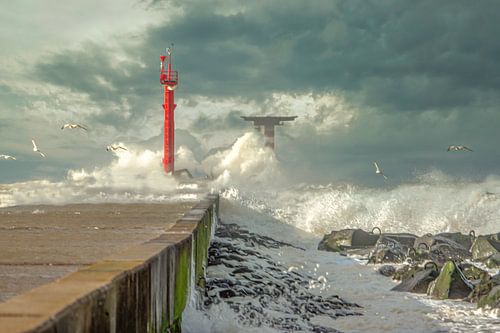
421,74
396,55
394,52
401,55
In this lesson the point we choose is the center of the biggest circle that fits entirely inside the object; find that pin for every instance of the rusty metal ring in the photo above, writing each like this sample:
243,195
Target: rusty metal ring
425,248
431,263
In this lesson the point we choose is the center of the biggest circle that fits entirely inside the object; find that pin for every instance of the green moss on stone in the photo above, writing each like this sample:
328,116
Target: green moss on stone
440,288
406,272
492,300
482,248
493,261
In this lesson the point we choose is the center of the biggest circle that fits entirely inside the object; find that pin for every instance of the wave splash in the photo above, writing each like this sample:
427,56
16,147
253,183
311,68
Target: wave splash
251,174
132,176
432,203
137,176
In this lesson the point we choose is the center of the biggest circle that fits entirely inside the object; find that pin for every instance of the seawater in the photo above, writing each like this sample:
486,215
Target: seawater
302,214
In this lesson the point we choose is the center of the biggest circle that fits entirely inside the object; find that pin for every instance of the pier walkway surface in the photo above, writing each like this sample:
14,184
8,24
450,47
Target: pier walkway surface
39,244
128,264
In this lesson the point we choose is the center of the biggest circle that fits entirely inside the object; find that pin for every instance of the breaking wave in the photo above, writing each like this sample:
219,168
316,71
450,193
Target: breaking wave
132,176
432,203
137,176
249,173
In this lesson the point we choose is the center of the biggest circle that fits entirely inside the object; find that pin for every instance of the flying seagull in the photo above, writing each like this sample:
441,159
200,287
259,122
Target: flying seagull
457,148
115,147
74,126
35,148
7,157
378,171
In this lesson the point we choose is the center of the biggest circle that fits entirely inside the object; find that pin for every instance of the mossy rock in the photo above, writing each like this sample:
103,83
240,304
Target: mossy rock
419,255
493,261
403,240
492,300
484,247
480,290
449,284
472,272
341,240
405,272
454,239
464,240
386,255
387,270
417,282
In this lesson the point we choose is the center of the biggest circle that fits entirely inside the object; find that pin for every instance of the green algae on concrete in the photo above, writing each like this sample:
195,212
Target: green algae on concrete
203,235
484,247
182,280
440,288
201,246
449,284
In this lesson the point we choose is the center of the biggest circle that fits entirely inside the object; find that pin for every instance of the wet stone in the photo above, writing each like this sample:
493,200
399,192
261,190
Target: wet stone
493,261
387,270
484,247
492,299
341,240
418,282
262,292
449,284
405,272
387,255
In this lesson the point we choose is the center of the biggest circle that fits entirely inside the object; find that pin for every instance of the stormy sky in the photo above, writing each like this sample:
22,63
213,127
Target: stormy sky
393,81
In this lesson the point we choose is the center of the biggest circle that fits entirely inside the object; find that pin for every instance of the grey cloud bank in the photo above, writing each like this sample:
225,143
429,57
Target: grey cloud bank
416,76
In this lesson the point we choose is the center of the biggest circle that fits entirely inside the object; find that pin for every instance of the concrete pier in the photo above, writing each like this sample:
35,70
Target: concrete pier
101,268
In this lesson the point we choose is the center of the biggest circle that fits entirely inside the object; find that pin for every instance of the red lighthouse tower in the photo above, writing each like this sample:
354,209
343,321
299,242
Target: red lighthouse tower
169,79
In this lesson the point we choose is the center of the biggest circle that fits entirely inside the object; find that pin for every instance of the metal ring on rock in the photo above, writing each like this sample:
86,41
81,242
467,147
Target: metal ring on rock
425,248
431,263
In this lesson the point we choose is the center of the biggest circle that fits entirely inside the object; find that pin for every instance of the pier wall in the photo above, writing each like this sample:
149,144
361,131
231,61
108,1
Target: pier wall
142,289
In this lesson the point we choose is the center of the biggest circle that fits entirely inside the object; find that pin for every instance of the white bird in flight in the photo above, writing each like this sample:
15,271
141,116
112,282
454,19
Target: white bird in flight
7,157
115,148
378,171
35,148
458,148
74,126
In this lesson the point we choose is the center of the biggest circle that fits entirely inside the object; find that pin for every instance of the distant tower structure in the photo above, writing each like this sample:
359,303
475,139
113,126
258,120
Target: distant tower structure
169,79
266,124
